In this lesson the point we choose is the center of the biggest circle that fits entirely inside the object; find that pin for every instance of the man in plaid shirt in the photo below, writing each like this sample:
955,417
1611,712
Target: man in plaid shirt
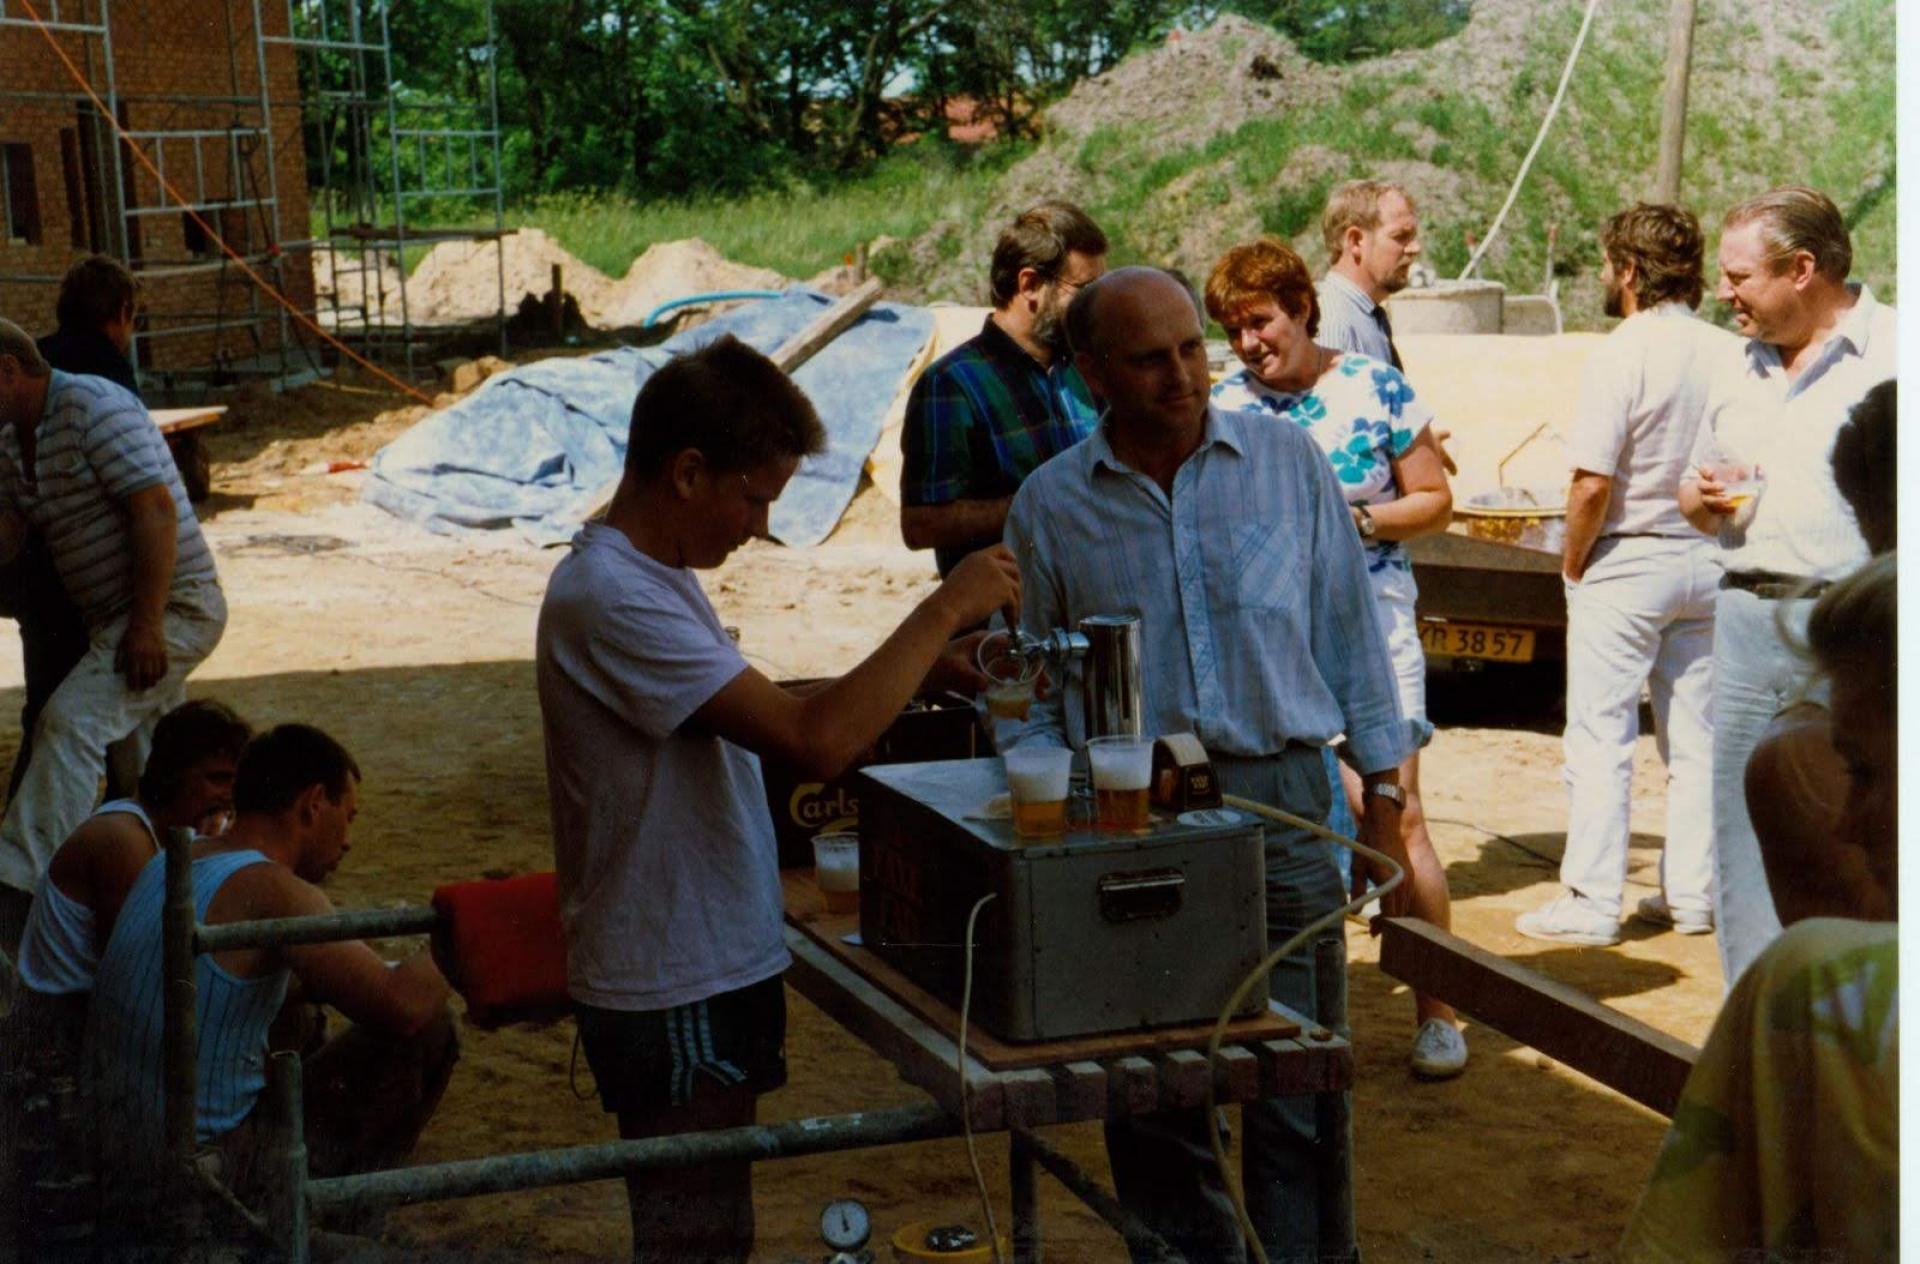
992,410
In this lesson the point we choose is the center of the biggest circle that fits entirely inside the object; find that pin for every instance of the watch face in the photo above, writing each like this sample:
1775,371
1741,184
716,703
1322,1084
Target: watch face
845,1225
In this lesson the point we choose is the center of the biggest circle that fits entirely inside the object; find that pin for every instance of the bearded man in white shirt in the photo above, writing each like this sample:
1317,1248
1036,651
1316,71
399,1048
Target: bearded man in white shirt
1641,584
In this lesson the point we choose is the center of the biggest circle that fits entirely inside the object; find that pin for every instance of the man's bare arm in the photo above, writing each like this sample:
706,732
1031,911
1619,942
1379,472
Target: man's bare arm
153,530
354,979
1587,502
954,524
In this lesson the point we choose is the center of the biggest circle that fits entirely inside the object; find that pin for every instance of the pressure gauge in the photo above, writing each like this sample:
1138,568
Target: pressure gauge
845,1225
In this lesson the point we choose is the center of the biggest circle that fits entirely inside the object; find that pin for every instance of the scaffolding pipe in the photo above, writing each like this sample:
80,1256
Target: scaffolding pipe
573,1165
282,932
178,1035
1143,1244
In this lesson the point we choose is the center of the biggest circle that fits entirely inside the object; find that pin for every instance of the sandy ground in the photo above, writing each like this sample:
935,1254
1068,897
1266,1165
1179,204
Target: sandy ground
416,650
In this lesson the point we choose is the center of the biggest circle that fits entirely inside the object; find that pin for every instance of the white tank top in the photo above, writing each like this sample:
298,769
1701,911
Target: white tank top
58,952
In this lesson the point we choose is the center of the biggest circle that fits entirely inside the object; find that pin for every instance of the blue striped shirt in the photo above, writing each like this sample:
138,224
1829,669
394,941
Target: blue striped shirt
1257,617
124,1030
95,447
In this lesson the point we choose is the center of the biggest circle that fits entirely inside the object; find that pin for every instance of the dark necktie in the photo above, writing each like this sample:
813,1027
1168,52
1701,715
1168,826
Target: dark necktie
1386,327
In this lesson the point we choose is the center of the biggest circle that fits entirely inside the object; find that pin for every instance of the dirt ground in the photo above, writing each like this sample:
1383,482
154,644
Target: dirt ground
416,650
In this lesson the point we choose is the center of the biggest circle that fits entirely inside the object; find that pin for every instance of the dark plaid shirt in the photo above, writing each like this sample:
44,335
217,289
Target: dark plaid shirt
982,418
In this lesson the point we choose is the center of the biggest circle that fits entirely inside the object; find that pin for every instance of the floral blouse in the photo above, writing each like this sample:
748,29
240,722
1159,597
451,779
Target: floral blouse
1363,415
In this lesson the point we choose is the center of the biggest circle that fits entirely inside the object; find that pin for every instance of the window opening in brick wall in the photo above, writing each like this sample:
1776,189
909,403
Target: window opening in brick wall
19,204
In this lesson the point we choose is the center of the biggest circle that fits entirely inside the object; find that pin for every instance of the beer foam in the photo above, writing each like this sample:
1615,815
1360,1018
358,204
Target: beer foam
1045,784
1128,768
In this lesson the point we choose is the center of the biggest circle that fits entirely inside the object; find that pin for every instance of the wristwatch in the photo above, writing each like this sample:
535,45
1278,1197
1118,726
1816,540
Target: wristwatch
1366,523
1397,795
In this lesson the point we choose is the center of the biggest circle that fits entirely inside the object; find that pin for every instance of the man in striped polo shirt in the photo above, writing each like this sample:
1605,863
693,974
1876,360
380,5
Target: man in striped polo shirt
992,410
83,464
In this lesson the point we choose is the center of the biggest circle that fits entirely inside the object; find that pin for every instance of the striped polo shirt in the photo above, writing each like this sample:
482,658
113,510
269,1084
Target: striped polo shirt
95,447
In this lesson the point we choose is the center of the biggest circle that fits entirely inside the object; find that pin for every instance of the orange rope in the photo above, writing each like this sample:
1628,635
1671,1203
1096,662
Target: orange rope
207,228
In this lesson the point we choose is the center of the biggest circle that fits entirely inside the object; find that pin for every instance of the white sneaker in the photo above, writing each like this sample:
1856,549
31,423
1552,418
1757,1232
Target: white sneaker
1570,919
1439,1051
1655,911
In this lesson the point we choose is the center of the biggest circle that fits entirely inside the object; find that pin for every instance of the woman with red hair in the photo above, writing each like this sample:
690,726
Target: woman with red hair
1379,438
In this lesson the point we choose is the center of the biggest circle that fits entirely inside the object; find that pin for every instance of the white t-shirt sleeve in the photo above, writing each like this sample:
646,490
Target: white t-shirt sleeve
1598,434
656,662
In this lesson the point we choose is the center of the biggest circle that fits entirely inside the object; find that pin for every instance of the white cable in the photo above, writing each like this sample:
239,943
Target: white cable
960,1065
1259,972
1566,77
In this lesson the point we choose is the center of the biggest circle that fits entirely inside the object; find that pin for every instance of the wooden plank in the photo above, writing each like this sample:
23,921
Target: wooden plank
176,420
925,1057
807,913
1031,1098
789,355
1133,1086
1082,1090
827,326
1236,1074
1184,1074
1628,1056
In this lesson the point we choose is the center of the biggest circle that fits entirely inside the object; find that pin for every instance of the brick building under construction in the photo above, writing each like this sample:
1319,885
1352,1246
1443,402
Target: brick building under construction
227,100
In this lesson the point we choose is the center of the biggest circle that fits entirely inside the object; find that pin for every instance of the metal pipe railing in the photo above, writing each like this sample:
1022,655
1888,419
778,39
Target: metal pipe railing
282,932
535,1169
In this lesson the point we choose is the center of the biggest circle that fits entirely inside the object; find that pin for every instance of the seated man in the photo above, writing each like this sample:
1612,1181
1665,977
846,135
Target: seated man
368,1091
187,783
1786,1141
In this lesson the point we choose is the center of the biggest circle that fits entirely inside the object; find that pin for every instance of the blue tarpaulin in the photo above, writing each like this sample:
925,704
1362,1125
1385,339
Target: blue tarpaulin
531,448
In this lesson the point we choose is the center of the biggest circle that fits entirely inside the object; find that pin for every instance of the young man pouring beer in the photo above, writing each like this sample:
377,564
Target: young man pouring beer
654,724
1229,538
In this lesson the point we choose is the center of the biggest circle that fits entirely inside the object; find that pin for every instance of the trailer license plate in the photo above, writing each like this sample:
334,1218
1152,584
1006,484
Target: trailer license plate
1477,640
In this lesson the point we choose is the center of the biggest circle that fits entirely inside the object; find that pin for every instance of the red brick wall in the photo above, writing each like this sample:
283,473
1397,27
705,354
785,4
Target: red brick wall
164,48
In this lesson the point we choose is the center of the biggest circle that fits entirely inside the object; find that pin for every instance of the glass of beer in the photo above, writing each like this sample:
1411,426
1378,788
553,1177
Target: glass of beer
1038,778
1122,771
1010,677
836,868
1741,483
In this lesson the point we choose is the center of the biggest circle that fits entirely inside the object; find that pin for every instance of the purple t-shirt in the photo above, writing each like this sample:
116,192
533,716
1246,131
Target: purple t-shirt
668,872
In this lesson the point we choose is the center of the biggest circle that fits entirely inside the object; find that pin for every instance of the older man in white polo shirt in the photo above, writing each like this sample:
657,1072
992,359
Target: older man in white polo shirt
1641,584
1816,343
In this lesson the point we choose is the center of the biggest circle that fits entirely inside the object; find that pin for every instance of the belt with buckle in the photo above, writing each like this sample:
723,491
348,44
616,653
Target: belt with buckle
1774,585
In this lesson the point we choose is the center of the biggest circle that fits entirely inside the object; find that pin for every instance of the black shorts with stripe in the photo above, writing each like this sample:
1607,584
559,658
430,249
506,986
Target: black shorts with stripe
649,1059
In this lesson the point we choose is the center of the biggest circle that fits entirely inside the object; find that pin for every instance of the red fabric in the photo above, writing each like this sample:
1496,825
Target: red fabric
501,946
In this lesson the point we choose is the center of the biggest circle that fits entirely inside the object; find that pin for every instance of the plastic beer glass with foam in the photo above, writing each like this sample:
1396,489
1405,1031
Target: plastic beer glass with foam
1122,772
836,868
1038,778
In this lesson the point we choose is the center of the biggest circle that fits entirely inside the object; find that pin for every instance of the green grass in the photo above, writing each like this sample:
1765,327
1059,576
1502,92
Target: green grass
796,230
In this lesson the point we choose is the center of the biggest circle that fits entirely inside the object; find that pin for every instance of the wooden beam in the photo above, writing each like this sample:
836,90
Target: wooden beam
790,355
1625,1054
827,326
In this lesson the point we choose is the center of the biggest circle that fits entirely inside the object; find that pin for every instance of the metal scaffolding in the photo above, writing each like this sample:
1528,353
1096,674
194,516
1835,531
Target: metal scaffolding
380,164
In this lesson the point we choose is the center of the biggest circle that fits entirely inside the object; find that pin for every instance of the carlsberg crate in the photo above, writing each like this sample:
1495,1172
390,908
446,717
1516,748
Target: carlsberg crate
934,726
1091,932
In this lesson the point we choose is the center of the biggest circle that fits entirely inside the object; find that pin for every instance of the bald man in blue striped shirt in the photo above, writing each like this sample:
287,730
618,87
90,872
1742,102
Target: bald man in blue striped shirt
83,463
1227,534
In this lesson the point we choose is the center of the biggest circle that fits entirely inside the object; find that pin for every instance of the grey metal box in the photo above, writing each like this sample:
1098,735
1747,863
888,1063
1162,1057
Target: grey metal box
1093,932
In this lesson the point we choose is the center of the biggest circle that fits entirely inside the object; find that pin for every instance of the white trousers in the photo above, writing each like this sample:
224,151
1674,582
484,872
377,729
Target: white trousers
90,711
1641,615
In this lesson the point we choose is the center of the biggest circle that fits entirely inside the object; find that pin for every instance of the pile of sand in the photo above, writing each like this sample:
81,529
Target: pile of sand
460,280
351,277
677,269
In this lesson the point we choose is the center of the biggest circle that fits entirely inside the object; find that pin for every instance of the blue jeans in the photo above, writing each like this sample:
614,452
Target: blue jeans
1755,675
1340,816
1163,1167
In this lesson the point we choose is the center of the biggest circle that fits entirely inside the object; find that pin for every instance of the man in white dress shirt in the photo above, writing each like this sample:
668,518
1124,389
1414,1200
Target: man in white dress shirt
1816,343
